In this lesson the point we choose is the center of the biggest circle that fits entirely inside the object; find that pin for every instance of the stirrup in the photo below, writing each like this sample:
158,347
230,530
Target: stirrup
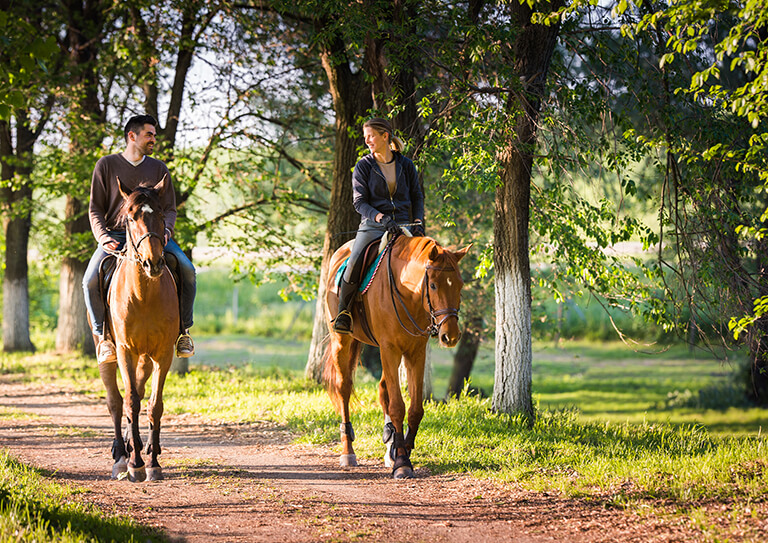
345,326
184,346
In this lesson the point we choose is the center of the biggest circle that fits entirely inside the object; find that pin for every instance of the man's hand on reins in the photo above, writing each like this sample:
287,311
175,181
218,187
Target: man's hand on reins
111,245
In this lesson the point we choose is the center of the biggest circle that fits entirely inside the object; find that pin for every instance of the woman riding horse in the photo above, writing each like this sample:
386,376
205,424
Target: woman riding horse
415,294
423,282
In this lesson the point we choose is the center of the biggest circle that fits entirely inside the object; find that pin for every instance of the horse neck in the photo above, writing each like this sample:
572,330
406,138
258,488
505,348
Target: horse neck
140,281
136,276
408,261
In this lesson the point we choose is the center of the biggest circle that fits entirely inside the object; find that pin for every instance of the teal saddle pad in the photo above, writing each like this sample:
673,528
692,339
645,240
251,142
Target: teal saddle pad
369,273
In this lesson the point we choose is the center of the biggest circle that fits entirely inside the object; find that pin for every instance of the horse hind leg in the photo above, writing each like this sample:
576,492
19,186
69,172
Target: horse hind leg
388,433
340,369
154,470
137,471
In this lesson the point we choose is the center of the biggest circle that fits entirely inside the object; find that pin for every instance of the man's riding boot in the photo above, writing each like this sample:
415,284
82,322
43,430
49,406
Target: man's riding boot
343,321
105,350
184,346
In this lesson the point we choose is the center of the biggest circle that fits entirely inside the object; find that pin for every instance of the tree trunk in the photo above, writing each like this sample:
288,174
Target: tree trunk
757,336
73,333
513,375
464,359
533,50
15,282
370,358
17,223
351,99
85,22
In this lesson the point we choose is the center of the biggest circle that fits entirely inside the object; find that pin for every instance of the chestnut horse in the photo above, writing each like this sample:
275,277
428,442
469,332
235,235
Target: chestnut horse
144,322
415,293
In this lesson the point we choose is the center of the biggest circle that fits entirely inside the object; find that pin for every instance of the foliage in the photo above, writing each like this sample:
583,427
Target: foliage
25,57
572,234
237,306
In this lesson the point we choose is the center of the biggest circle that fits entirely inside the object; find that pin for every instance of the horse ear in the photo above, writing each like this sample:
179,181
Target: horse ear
461,253
161,185
124,191
434,254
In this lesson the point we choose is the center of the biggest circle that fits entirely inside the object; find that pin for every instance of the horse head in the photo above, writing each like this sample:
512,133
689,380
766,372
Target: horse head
145,225
443,285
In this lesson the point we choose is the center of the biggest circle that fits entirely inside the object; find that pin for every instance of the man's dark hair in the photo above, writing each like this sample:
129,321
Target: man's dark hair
137,122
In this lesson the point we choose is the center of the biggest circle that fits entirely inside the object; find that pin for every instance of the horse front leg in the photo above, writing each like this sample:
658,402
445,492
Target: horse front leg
108,373
155,414
388,433
132,408
414,366
399,454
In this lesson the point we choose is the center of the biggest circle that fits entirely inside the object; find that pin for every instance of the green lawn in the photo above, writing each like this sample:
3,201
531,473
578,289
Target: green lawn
601,382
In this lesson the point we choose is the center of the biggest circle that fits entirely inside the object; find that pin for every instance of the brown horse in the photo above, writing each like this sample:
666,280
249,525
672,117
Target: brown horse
144,322
415,293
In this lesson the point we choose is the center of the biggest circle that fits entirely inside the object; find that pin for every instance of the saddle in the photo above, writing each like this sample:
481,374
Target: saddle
372,257
107,270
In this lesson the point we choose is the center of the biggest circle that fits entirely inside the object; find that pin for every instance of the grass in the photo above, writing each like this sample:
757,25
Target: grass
33,508
610,425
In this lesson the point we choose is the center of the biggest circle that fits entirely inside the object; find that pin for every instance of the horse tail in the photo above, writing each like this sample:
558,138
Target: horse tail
332,373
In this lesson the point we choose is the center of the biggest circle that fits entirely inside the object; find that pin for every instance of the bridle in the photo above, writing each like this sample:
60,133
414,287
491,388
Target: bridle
135,244
434,325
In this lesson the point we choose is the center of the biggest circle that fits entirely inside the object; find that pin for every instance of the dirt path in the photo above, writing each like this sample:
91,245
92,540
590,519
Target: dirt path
232,483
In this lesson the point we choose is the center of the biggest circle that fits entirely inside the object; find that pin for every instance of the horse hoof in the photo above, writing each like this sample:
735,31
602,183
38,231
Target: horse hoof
119,467
137,475
155,474
347,460
403,469
403,472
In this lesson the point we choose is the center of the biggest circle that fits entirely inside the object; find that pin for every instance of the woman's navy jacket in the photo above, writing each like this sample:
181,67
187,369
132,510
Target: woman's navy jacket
371,196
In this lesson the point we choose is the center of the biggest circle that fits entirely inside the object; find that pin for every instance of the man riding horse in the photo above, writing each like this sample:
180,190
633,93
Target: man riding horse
134,167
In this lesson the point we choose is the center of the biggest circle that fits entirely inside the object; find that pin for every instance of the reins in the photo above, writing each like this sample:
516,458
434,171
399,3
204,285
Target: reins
434,327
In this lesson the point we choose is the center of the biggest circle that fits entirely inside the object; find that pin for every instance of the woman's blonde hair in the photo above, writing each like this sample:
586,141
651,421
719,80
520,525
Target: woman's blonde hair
383,126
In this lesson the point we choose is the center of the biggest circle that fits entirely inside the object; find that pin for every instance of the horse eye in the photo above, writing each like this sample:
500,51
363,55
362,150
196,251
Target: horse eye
433,286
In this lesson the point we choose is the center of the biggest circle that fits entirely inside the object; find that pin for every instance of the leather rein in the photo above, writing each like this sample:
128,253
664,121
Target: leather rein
434,326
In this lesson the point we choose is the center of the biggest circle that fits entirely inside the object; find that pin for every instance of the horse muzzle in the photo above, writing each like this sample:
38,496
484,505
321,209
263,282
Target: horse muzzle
448,333
153,269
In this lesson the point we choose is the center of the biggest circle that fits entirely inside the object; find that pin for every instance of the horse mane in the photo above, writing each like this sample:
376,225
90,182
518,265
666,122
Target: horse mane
419,248
139,196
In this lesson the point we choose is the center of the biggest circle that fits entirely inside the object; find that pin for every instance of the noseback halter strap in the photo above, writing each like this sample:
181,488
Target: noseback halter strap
434,325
